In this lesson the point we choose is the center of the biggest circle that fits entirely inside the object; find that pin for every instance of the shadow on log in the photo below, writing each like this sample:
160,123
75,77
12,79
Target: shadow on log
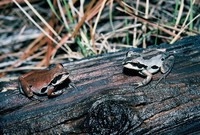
106,103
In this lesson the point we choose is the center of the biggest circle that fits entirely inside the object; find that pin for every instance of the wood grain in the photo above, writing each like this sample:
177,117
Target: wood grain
105,102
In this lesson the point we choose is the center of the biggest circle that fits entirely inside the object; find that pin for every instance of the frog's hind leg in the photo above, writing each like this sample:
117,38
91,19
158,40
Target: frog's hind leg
25,88
167,65
163,77
166,68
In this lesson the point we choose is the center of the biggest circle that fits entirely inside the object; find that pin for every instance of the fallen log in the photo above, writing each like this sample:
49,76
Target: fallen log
105,102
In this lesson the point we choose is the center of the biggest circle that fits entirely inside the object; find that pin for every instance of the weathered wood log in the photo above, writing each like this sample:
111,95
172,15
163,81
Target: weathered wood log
105,102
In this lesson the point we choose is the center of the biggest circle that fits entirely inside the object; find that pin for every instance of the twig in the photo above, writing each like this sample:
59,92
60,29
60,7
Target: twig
182,29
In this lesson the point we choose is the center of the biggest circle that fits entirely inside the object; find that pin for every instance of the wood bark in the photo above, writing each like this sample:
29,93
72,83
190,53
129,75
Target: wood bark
105,102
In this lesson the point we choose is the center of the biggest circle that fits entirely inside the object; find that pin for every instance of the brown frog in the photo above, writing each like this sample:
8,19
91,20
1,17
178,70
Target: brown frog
45,81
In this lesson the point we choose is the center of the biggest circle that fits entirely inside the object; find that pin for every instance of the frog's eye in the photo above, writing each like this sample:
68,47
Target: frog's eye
51,66
129,53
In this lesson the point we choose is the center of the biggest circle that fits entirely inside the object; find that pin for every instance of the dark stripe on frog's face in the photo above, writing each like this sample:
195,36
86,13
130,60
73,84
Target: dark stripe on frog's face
59,79
139,65
130,63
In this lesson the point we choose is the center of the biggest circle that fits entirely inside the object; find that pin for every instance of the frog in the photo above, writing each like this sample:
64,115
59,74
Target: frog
149,62
44,81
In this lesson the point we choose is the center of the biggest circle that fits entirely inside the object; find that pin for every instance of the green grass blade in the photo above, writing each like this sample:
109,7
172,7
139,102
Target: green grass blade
110,17
53,9
191,15
69,15
176,11
83,50
127,33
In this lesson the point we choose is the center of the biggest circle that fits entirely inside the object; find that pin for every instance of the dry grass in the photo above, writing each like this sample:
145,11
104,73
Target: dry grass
37,33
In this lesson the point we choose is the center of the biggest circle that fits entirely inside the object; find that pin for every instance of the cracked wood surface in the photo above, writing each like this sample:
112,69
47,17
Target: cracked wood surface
106,103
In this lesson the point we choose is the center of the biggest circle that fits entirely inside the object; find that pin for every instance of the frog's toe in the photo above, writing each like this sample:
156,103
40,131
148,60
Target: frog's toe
56,93
137,85
34,97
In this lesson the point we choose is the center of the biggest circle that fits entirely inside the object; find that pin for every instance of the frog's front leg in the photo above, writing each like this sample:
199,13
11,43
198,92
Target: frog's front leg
146,80
25,88
167,65
52,93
